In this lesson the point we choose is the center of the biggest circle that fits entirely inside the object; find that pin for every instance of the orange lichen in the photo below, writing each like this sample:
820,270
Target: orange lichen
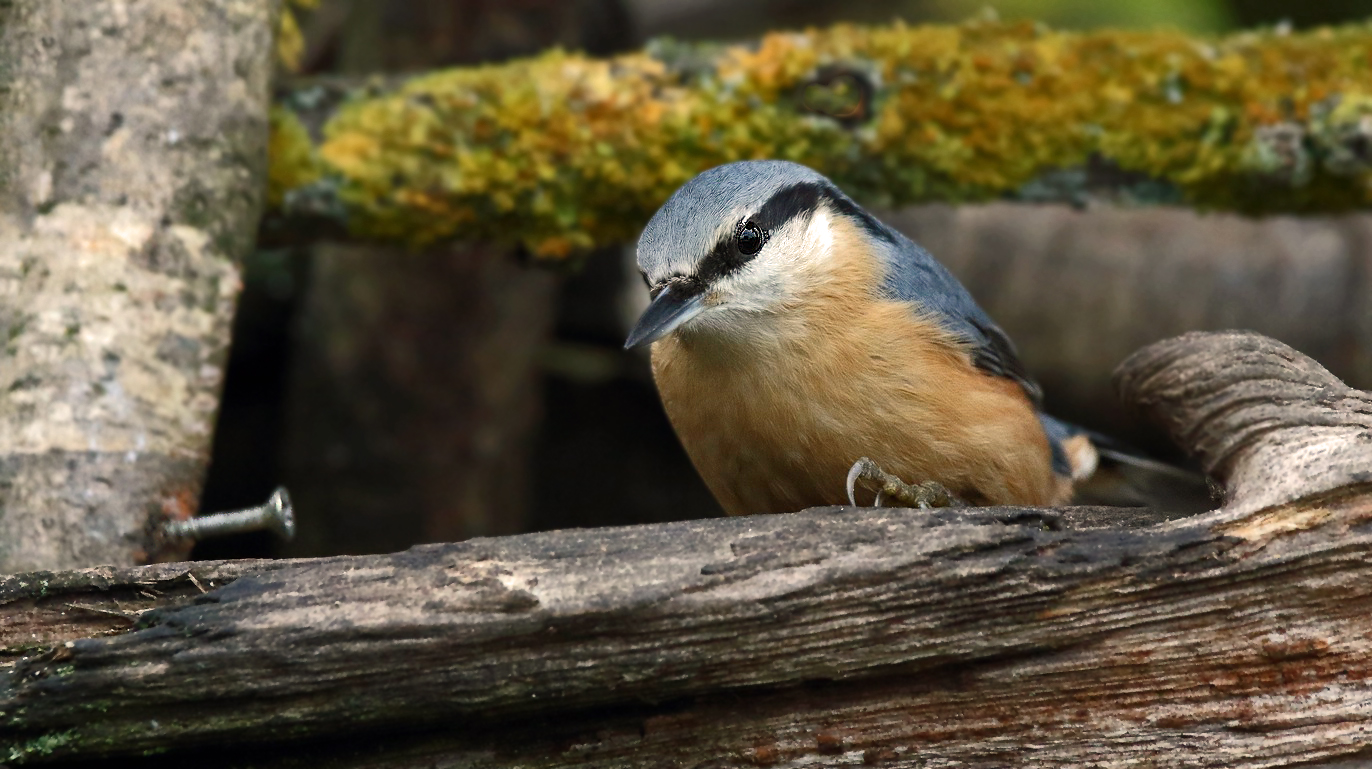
562,152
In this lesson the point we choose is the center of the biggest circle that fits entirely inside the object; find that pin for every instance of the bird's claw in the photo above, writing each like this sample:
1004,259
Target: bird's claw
855,472
929,494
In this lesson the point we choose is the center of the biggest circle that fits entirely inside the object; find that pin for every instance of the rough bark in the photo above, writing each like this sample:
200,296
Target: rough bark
132,161
1078,290
974,637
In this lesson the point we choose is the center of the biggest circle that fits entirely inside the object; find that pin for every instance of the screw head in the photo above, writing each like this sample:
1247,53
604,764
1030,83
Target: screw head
282,520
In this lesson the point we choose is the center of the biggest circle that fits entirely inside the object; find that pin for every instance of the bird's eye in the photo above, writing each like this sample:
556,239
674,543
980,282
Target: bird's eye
749,239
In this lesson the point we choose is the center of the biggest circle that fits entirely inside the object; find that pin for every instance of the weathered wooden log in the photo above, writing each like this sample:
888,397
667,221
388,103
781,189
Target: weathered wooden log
1262,418
133,142
981,637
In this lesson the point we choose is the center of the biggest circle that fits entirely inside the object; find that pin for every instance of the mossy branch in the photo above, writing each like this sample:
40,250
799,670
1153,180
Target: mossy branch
564,152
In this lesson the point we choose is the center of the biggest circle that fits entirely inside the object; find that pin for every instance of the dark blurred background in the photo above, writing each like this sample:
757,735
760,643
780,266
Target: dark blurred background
412,397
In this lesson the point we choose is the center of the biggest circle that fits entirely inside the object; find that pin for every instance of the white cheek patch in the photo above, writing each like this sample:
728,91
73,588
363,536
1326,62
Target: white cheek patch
819,236
794,258
798,245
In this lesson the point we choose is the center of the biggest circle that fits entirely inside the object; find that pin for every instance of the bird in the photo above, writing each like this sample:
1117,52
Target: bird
803,350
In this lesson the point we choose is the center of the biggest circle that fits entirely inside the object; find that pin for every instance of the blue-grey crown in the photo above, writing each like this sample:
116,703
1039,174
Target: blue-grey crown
709,206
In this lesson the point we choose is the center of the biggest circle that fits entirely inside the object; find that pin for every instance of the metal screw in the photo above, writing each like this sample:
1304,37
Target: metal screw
275,515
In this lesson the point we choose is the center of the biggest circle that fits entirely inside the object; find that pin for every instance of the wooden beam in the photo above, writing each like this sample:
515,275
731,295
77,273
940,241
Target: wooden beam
901,638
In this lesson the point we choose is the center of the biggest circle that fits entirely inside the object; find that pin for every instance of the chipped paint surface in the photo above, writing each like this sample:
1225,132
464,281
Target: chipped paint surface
562,152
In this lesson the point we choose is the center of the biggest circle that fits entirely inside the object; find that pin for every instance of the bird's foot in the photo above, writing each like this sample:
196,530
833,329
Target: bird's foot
925,495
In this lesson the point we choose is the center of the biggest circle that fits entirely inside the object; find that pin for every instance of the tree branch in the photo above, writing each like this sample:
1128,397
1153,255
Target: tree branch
1270,423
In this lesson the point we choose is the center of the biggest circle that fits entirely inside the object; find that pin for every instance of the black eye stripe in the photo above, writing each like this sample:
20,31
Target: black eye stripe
682,285
786,204
803,198
723,259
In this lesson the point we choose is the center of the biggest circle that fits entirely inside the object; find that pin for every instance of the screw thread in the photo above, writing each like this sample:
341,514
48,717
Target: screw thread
276,514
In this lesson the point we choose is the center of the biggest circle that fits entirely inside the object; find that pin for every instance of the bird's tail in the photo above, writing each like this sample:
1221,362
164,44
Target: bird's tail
1107,471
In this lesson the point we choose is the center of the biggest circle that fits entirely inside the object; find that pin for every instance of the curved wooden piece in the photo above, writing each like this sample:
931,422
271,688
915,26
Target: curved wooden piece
1268,422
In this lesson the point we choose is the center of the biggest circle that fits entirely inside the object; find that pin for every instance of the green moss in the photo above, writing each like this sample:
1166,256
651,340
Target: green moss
40,746
1341,132
24,650
290,41
562,152
291,155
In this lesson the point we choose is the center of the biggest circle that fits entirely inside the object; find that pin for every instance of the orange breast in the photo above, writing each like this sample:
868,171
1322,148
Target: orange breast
773,420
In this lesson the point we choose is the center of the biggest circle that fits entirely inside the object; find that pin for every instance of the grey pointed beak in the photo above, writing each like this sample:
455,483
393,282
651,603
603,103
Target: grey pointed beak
673,307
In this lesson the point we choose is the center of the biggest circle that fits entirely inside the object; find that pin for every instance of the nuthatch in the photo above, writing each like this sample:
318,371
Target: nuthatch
795,335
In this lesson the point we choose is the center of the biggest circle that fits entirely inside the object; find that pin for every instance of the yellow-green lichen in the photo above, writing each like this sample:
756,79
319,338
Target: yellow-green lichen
562,152
40,746
1341,128
290,41
292,163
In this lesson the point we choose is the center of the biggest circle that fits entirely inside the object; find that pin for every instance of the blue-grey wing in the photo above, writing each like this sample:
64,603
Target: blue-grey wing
913,275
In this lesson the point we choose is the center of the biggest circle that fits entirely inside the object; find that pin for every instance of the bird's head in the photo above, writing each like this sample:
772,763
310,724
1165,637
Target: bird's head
736,244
